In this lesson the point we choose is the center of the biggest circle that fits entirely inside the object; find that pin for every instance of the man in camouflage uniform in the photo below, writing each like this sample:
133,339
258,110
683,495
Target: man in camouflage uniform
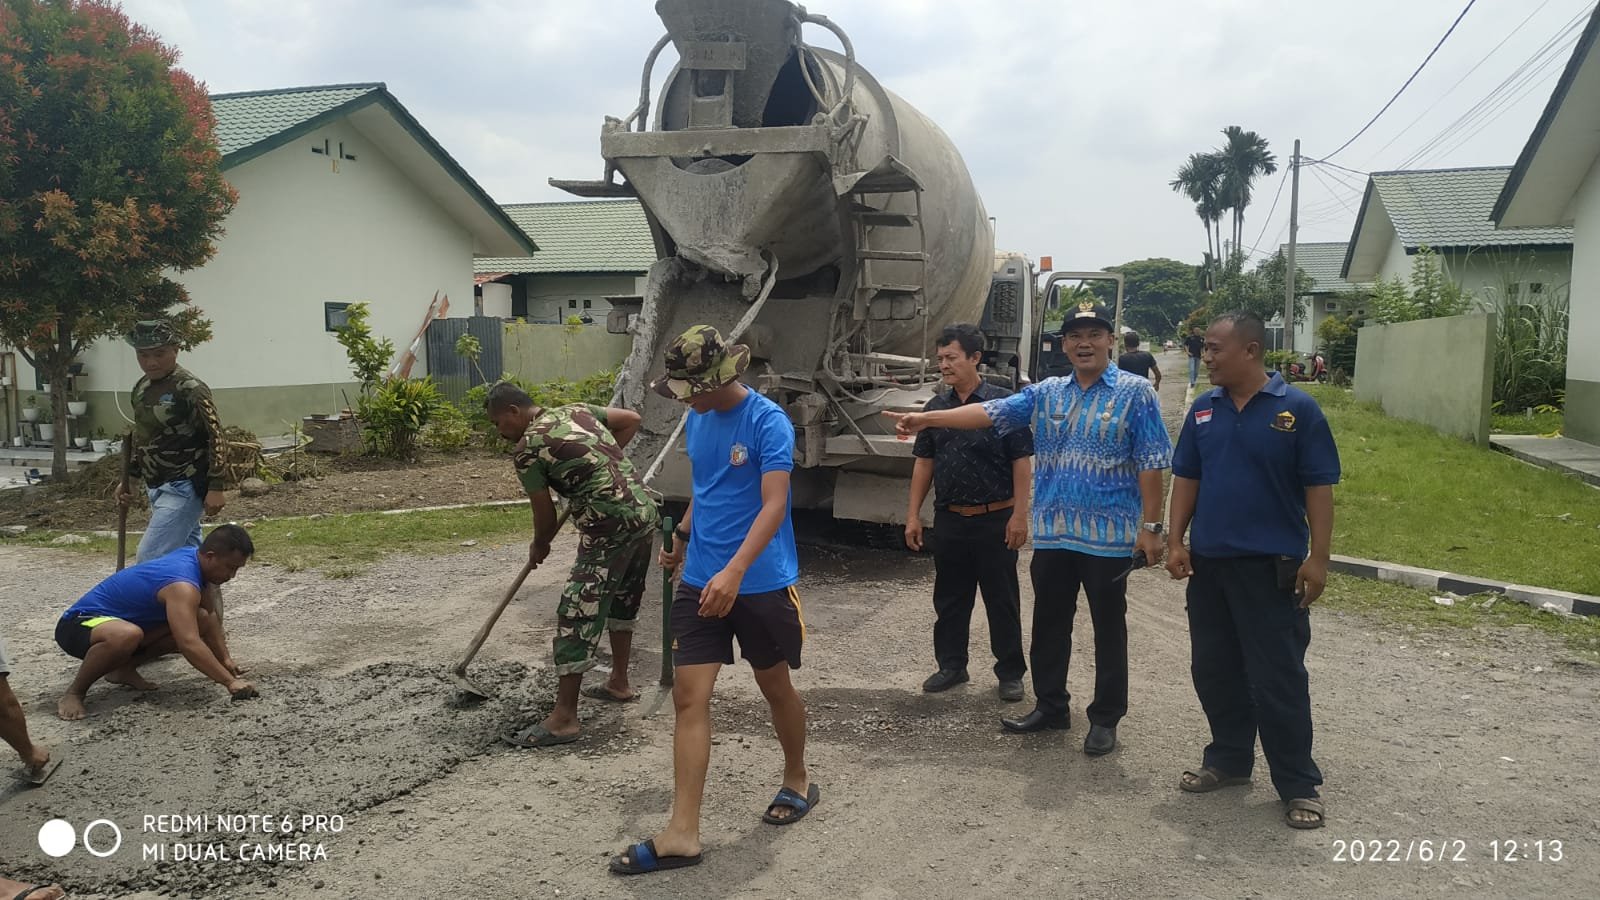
577,451
178,444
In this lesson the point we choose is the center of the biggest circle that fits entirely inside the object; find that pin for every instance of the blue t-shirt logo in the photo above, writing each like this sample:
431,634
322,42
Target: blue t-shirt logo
739,455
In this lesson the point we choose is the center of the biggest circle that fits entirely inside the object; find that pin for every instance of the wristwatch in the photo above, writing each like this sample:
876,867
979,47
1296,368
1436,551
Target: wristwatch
1154,528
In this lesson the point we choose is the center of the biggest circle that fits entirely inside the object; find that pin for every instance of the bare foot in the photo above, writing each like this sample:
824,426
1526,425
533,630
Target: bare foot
35,764
622,693
71,708
9,888
670,843
130,677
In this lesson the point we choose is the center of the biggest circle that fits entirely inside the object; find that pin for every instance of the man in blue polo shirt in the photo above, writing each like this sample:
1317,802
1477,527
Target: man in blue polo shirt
1099,447
1254,471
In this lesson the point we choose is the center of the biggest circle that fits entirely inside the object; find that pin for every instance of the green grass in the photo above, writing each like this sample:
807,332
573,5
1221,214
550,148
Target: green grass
343,546
1405,606
1412,496
1538,423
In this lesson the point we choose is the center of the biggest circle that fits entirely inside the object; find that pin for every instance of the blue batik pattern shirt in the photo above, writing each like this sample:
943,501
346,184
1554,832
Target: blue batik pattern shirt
1089,448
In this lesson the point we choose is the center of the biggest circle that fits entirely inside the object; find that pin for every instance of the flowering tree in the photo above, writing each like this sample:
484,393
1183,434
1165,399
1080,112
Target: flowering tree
110,180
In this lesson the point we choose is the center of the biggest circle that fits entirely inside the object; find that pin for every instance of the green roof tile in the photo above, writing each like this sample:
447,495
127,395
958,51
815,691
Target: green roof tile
579,236
1322,261
1451,207
247,119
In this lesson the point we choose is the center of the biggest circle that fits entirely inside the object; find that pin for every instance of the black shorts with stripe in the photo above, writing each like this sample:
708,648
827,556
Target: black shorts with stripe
770,627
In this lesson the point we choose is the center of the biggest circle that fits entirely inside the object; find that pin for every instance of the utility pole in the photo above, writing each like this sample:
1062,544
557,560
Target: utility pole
1289,270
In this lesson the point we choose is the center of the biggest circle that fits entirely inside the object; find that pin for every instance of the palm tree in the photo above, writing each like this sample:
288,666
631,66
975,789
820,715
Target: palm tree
1200,179
1244,157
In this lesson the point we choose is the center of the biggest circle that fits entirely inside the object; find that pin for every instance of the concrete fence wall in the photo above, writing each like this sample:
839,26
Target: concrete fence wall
1439,372
547,352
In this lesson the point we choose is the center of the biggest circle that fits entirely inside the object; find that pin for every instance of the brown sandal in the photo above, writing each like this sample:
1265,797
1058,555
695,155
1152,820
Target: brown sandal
1208,779
1305,804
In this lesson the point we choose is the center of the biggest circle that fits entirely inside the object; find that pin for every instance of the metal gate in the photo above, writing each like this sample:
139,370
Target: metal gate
450,370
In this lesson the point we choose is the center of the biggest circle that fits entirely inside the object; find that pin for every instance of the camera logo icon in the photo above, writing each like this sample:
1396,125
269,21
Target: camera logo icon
57,837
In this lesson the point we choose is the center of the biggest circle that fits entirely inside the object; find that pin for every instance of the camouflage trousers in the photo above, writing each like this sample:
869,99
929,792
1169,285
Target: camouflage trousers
603,593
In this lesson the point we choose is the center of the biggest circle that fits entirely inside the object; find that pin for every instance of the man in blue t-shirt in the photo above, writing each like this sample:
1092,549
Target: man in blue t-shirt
154,609
737,553
1254,470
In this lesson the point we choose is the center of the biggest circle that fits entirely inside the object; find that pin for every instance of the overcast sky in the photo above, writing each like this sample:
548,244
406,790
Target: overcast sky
1072,115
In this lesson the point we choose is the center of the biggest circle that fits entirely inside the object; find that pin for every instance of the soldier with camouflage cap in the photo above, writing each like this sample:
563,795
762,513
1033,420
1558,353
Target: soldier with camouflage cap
178,444
737,551
577,452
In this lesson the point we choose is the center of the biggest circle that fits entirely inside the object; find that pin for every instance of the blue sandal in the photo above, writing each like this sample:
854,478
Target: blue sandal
641,859
788,799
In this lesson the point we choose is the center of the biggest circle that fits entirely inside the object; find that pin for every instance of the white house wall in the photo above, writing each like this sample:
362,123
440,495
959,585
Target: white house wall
308,232
1583,362
554,298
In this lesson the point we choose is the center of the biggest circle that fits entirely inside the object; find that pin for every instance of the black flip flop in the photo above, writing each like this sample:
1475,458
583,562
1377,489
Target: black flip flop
791,800
29,892
599,692
642,859
29,776
535,736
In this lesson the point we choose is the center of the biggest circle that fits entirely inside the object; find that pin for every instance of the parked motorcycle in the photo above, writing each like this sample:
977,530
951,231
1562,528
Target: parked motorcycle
1318,371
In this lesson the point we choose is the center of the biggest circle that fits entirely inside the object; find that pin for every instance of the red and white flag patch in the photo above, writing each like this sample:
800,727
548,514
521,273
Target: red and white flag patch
1202,416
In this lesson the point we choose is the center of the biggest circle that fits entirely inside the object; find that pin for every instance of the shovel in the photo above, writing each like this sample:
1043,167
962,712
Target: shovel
666,605
122,508
458,673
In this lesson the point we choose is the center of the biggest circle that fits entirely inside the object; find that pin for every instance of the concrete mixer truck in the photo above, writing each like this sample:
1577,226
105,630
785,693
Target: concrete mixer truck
816,217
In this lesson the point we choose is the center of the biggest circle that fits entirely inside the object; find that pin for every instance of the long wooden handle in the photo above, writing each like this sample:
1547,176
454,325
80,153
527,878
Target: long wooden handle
122,508
488,625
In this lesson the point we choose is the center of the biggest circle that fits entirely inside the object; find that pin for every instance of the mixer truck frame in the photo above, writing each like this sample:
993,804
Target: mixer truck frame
813,215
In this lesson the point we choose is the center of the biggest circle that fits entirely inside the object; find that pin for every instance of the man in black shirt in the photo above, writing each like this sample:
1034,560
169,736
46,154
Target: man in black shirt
1139,362
1195,343
982,485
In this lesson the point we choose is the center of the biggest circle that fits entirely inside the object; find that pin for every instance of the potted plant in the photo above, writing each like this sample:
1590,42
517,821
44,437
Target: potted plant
82,442
101,442
47,428
30,412
76,407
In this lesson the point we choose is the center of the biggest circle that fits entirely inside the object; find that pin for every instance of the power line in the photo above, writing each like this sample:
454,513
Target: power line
1462,79
1413,77
1318,175
1268,220
1551,51
1506,106
1323,162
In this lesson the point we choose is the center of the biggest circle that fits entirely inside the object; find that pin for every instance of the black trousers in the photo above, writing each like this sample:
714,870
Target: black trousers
1057,576
969,554
1248,638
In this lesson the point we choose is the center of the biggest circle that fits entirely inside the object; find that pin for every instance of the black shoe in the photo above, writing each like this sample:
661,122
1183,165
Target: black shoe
1036,721
1102,739
944,680
1011,690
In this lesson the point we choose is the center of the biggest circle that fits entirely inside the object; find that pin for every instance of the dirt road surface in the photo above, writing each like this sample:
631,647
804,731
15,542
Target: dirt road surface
1449,738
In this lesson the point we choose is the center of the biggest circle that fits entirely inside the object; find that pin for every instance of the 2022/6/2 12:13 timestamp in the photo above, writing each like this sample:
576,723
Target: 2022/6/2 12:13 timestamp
1449,850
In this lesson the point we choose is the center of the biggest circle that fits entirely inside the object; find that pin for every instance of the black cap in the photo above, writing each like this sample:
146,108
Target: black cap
1086,313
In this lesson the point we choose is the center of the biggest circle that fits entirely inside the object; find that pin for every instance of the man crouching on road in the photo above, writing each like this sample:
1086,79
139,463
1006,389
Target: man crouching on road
155,609
739,573
577,451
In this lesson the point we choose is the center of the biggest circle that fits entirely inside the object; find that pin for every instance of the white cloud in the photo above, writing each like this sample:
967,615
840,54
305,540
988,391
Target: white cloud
1071,115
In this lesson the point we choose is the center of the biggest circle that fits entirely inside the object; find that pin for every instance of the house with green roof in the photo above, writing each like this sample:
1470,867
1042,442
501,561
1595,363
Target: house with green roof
589,251
1330,293
343,197
1448,211
1556,184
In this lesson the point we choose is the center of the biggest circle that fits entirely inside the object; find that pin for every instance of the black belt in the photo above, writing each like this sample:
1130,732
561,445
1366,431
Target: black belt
982,508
